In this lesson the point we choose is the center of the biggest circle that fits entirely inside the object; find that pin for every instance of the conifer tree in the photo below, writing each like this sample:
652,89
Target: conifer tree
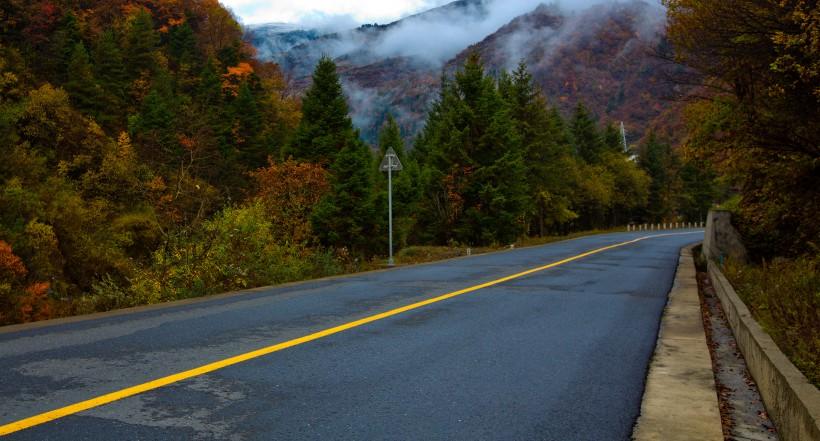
111,76
156,121
325,128
247,126
474,178
700,191
345,217
612,139
231,54
544,147
658,161
140,42
210,86
390,137
81,86
64,42
182,44
587,141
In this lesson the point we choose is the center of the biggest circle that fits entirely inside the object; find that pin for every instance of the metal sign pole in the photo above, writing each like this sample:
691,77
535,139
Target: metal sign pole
390,205
390,163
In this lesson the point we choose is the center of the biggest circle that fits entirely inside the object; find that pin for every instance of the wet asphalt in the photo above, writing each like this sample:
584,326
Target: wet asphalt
558,355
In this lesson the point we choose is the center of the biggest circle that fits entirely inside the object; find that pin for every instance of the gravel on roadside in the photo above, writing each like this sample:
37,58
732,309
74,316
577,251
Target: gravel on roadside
742,410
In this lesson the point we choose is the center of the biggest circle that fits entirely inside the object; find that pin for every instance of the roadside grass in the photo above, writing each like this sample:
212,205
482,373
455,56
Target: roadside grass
784,297
230,262
422,254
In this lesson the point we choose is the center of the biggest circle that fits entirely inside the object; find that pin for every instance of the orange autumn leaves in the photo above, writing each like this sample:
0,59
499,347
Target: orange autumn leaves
234,78
21,302
289,191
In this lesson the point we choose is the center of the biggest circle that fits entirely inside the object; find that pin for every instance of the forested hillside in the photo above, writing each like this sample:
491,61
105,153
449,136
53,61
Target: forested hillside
603,53
147,155
128,133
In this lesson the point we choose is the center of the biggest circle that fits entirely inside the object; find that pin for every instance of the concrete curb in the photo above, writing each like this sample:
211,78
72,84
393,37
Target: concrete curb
791,401
680,401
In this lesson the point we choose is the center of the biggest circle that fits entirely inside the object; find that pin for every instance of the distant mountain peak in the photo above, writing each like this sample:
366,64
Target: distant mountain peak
598,55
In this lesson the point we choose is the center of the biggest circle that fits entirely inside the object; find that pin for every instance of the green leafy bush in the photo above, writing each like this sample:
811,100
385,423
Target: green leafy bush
234,250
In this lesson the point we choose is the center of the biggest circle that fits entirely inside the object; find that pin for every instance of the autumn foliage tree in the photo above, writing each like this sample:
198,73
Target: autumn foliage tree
116,118
12,271
289,191
19,301
760,122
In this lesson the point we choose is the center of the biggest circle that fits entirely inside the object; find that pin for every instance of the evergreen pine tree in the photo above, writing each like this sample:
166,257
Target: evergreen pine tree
345,218
658,161
474,175
585,136
230,55
247,127
111,76
156,122
182,44
612,139
64,42
390,137
544,146
325,128
81,86
140,42
156,113
210,86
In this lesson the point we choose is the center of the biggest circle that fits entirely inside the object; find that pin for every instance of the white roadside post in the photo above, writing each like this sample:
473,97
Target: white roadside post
390,163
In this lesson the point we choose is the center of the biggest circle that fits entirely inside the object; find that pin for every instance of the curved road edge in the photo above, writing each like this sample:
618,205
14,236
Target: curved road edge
680,400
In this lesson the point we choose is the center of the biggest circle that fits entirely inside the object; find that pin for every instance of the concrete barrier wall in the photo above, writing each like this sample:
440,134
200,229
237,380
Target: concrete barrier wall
792,402
721,240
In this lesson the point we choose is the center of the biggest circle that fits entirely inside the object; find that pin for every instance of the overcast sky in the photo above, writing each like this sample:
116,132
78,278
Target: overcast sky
323,12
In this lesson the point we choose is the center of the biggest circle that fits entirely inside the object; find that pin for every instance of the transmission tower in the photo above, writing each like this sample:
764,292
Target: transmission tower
623,137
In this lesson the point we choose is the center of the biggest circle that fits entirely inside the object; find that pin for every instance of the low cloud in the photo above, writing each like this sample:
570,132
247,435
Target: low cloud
437,37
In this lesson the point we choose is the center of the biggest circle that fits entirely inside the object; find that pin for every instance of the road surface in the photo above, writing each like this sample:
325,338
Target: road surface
557,354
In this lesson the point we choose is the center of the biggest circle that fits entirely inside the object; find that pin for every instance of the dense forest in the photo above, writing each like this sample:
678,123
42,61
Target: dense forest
146,155
756,119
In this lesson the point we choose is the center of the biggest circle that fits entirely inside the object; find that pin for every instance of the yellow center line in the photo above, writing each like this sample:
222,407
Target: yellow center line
202,370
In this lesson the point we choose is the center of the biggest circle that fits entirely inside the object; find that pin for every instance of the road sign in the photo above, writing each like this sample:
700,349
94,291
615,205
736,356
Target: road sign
391,161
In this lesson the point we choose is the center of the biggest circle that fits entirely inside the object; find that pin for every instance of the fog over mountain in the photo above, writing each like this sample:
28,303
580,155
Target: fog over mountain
586,50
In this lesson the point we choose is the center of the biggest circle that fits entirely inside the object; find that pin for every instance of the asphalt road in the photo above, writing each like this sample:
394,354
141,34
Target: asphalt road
560,354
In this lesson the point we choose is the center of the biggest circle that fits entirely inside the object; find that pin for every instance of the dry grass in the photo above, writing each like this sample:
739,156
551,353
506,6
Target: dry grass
422,254
784,297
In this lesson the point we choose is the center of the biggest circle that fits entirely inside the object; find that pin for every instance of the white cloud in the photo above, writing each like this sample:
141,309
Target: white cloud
324,12
442,36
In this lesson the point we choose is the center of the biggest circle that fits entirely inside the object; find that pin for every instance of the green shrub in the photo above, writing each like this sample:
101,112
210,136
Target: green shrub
234,250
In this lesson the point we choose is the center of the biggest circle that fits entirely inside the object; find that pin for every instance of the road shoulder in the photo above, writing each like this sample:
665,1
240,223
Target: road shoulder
680,400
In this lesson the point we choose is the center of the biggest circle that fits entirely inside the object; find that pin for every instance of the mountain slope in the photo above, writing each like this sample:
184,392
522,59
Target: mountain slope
602,55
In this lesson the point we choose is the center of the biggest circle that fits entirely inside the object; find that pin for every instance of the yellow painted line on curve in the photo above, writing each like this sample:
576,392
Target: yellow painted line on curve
102,400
